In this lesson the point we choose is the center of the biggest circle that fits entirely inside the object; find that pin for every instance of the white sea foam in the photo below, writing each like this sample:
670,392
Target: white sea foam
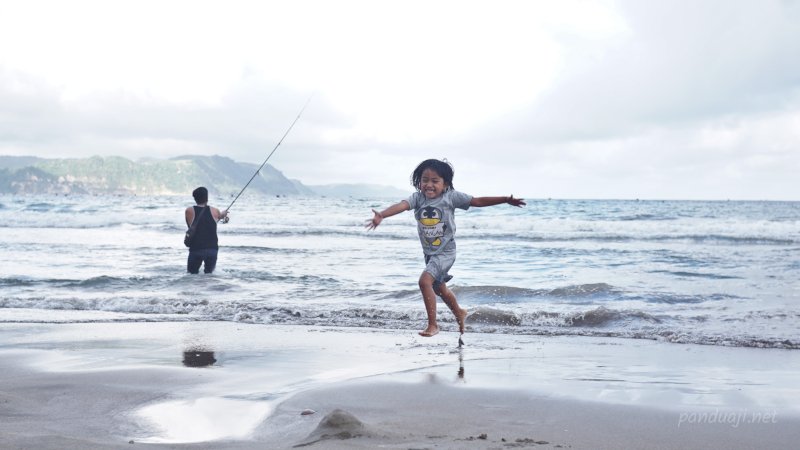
722,273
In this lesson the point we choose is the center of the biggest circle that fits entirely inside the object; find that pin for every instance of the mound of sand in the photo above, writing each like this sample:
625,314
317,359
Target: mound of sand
338,424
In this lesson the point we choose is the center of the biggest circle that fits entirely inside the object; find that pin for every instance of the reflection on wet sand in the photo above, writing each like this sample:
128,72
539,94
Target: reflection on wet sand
460,363
198,358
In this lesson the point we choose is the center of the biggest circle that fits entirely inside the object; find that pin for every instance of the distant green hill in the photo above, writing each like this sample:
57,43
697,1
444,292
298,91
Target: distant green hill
117,175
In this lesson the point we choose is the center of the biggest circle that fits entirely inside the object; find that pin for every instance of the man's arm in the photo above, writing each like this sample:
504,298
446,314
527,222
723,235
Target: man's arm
219,215
189,215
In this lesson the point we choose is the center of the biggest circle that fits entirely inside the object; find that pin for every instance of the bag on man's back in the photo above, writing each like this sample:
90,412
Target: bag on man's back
189,236
187,239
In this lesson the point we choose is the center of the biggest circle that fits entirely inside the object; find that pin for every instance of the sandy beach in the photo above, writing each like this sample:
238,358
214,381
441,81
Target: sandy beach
228,385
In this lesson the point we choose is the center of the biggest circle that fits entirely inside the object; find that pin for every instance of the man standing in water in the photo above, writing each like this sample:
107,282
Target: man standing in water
204,247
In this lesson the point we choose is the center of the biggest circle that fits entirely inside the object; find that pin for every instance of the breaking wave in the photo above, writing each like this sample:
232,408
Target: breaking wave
591,321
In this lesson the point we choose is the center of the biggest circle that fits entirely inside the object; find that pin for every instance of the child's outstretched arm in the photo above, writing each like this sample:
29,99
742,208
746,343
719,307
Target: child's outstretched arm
491,201
376,220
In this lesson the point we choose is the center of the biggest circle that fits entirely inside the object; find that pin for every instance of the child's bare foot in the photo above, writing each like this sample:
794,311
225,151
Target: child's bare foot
461,317
432,330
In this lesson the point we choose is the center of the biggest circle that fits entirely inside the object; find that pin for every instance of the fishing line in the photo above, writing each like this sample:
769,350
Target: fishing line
270,153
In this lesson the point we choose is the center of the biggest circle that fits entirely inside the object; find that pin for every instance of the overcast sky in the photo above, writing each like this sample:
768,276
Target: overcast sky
694,99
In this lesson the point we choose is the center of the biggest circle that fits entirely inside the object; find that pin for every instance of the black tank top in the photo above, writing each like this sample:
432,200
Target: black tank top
206,235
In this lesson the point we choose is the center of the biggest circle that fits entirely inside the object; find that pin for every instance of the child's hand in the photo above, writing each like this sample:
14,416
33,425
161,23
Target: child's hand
375,221
515,201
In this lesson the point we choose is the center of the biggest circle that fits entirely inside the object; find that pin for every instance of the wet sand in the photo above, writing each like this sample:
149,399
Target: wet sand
227,385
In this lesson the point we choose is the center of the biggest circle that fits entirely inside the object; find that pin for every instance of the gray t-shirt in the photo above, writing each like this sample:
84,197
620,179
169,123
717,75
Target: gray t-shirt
436,218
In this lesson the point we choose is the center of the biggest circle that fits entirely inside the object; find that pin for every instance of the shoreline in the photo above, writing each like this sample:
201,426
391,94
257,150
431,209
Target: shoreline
231,385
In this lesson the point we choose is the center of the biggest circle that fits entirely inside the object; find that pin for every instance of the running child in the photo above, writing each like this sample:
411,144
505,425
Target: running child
434,206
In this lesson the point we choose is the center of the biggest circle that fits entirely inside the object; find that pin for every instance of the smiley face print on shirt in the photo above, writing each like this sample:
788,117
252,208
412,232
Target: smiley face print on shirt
431,226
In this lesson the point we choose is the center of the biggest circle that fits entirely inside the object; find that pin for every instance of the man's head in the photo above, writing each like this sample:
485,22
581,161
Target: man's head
200,195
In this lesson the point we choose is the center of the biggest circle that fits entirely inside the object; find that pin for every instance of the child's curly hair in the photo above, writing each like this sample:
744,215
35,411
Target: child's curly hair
443,168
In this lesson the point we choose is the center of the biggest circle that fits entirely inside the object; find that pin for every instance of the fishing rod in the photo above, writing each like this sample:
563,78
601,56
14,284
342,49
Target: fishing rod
270,154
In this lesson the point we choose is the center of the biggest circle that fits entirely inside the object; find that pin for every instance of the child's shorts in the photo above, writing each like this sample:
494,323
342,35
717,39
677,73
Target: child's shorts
438,265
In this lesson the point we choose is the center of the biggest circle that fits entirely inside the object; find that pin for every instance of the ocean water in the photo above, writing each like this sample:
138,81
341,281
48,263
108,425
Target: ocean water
716,273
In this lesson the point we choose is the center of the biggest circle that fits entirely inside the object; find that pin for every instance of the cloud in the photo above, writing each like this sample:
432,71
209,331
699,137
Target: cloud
675,99
248,120
29,110
678,63
689,100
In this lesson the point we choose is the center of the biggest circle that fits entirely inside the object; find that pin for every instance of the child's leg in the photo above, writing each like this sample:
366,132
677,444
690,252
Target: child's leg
429,297
451,302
